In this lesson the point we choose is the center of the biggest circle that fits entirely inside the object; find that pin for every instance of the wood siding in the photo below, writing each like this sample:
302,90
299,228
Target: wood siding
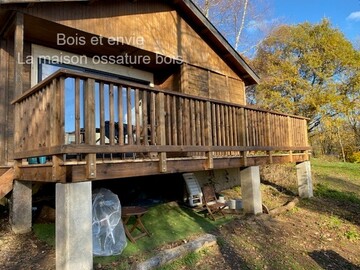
162,29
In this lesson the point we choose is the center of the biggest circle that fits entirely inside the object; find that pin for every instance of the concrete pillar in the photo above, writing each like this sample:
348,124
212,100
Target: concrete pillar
304,179
74,226
21,207
250,190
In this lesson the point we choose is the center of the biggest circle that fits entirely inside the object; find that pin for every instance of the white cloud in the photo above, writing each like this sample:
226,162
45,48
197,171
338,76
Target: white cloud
354,16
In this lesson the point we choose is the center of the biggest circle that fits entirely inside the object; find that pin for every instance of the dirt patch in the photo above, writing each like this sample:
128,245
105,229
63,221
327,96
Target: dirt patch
317,234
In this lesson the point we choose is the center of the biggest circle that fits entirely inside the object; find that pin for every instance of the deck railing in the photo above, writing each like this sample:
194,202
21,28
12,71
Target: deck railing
81,117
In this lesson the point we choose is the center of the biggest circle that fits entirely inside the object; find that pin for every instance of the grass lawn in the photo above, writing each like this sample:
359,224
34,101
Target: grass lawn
167,223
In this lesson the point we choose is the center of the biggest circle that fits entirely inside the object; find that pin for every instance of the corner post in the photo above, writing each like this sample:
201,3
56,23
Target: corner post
250,189
304,178
74,226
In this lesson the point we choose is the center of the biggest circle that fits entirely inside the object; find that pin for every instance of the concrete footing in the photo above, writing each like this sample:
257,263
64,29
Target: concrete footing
250,190
21,207
305,187
74,226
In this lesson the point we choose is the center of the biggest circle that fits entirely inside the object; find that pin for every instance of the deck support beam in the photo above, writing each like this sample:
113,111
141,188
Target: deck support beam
74,226
250,190
304,178
21,206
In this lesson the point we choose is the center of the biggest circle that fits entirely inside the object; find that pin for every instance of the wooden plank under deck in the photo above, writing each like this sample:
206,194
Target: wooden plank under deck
132,168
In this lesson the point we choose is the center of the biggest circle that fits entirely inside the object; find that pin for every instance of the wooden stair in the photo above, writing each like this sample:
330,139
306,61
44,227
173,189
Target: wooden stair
6,182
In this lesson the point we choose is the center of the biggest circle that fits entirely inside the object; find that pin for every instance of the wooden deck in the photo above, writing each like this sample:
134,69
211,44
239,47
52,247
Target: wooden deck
93,127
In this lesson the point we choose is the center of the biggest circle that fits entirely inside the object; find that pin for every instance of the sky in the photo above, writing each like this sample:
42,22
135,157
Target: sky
343,14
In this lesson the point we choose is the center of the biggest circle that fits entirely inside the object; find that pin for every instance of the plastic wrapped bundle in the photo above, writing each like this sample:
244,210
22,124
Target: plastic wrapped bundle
108,230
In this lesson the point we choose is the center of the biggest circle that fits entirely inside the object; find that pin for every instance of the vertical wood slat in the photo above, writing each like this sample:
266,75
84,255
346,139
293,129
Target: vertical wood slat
129,117
180,121
102,113
214,124
90,131
192,123
218,128
289,138
112,115
187,125
245,136
77,111
202,123
120,115
208,133
161,136
137,116
145,117
197,123
168,119
174,121
152,118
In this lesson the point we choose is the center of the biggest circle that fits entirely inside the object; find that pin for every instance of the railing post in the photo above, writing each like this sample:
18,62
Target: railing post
290,140
306,139
90,131
244,132
268,137
160,132
208,135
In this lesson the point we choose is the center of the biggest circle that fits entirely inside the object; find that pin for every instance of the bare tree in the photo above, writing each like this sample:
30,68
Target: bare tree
243,22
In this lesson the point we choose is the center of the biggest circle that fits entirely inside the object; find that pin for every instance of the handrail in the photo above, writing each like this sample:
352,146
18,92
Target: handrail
83,75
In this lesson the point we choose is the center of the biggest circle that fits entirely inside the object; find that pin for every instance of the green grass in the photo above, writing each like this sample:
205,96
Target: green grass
337,180
189,261
167,223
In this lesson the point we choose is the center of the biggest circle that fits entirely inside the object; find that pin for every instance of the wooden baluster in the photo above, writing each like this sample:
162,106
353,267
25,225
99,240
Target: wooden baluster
289,137
197,121
174,121
268,136
121,115
161,137
202,123
77,111
208,134
152,118
244,133
145,117
137,116
214,124
129,117
90,131
112,116
168,119
180,121
192,123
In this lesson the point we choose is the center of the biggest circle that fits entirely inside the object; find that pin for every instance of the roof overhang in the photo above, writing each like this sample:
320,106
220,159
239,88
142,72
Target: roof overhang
189,11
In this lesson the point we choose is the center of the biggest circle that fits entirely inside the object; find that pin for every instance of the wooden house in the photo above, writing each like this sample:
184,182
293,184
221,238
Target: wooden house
97,90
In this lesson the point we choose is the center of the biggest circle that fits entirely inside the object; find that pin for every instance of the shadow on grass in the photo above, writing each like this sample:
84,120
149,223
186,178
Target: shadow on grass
330,260
346,205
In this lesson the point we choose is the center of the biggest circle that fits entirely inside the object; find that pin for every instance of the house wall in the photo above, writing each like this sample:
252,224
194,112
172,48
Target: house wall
7,90
153,26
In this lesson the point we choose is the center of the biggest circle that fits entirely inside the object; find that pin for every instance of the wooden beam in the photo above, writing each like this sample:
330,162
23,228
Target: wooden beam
6,182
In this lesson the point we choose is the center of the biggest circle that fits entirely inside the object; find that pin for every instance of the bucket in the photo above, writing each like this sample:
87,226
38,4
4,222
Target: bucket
42,160
232,204
32,160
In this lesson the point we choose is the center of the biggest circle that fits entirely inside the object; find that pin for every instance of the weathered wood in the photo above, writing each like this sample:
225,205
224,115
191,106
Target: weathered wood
57,172
121,115
284,208
90,131
137,116
6,182
167,256
160,115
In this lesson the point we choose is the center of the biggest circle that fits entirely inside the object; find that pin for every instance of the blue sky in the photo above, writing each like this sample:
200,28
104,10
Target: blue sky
343,14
